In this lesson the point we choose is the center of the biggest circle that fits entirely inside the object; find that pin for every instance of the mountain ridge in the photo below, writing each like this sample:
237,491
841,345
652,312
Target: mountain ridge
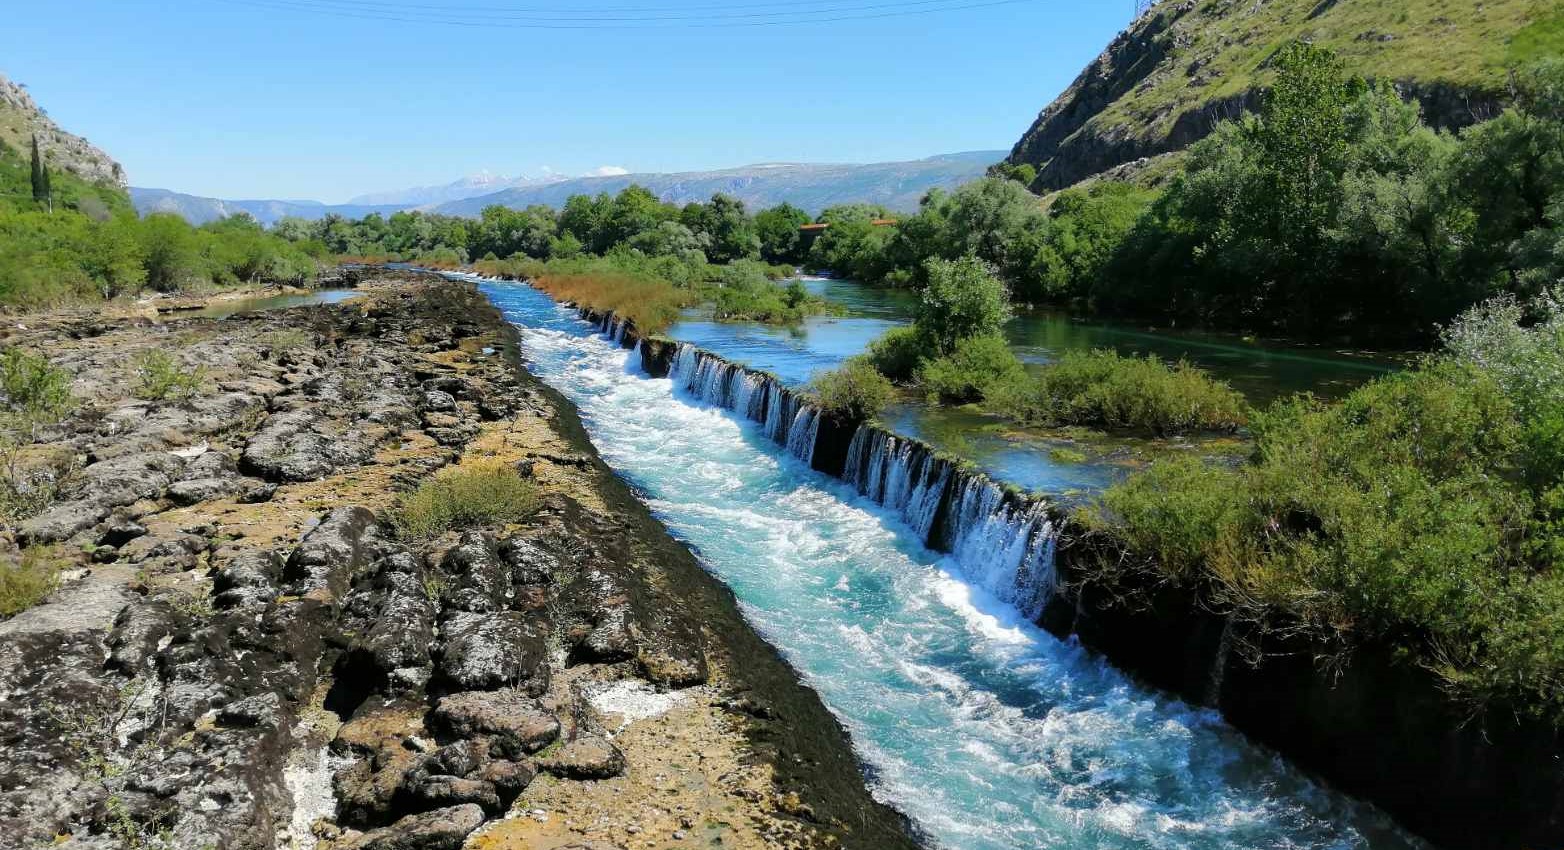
812,186
1182,67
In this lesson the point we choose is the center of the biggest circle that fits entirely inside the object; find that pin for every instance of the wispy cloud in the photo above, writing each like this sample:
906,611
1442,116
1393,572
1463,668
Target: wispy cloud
608,171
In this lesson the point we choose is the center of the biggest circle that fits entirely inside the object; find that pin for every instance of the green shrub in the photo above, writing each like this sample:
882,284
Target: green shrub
29,580
898,353
467,496
1421,511
160,377
32,387
1106,390
962,298
855,391
968,373
745,291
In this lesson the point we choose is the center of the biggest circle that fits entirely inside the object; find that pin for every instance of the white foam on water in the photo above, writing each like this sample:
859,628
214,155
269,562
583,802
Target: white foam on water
988,732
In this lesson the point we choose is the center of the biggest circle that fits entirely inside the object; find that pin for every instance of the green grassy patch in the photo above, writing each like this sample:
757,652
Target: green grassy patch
467,496
1542,39
1222,48
28,580
1104,389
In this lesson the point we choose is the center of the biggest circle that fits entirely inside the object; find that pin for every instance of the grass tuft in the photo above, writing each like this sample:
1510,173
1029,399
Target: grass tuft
467,496
29,580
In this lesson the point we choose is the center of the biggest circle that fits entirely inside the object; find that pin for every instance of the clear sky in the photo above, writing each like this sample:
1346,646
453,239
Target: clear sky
326,99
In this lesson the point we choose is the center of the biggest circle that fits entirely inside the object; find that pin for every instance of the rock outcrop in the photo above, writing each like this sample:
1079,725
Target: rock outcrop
60,149
1168,79
244,653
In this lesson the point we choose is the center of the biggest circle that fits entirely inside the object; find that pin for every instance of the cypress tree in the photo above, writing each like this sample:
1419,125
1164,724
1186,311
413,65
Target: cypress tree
40,175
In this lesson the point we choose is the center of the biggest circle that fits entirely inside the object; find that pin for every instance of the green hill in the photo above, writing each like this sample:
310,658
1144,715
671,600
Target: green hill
1186,64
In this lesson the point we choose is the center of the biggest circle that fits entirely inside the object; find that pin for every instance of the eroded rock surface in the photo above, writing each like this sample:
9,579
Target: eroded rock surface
244,654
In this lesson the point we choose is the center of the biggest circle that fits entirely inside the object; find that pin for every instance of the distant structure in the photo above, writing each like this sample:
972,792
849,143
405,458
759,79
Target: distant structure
1142,7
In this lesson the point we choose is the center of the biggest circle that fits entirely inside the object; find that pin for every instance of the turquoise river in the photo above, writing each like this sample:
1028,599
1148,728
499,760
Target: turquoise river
986,731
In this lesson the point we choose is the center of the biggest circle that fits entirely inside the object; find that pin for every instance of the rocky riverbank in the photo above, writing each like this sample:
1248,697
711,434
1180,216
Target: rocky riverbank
242,652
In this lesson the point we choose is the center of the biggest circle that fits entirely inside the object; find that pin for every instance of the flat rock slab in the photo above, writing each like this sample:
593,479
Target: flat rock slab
509,715
587,757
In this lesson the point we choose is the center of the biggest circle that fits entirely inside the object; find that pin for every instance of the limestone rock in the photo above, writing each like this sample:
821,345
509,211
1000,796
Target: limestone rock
587,757
513,719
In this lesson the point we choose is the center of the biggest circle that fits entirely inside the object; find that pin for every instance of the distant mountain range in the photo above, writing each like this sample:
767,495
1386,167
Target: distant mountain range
896,185
471,186
199,210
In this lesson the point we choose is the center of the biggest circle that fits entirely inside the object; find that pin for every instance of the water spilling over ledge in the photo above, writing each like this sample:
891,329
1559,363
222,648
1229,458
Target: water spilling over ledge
1003,541
1435,766
987,731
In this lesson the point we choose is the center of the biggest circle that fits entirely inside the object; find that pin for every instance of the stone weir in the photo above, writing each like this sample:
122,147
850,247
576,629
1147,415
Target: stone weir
1002,538
1375,728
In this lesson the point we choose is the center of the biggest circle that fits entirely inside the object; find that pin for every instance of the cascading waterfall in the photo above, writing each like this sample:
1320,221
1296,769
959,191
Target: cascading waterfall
900,474
755,396
986,731
1003,544
802,433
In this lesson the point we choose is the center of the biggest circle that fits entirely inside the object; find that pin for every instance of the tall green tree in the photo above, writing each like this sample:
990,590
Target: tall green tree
1301,139
963,298
777,227
40,177
729,228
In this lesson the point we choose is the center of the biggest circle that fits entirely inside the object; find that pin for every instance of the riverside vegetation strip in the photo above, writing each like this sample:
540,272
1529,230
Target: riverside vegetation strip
284,667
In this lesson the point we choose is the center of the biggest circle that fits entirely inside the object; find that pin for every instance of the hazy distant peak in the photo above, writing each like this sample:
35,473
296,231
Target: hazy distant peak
481,182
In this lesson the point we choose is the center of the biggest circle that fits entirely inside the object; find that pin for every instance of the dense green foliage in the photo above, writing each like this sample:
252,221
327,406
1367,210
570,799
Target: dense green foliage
960,299
777,228
897,353
1334,213
854,391
1105,390
745,291
64,239
52,259
1426,509
974,366
651,290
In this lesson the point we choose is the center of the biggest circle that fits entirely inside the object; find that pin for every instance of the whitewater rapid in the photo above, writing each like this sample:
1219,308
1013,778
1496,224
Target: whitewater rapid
988,732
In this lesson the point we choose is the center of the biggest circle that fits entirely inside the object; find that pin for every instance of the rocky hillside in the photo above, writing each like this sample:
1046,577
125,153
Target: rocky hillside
1163,83
21,119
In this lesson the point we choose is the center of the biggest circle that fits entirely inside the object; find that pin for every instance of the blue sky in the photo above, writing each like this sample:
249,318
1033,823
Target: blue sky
272,98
